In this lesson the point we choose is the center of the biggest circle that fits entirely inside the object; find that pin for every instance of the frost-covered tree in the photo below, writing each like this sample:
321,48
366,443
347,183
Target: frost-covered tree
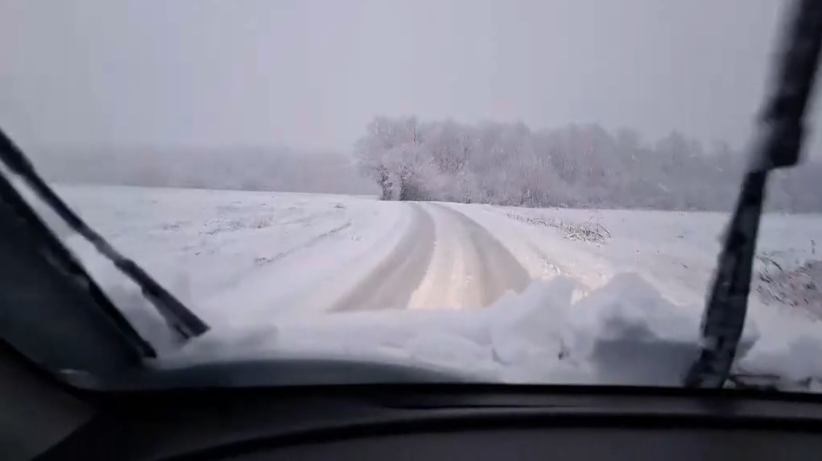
572,166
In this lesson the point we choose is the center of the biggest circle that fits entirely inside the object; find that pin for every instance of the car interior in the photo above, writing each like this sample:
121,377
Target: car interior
47,418
78,382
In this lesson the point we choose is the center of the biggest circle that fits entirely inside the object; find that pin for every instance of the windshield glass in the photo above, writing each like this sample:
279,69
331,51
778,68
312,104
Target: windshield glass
532,191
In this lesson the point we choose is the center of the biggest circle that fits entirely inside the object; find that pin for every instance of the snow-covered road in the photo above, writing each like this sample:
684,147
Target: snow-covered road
275,254
392,283
502,291
444,260
272,254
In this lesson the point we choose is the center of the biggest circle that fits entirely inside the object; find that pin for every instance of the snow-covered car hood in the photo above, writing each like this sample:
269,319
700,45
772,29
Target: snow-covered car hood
624,333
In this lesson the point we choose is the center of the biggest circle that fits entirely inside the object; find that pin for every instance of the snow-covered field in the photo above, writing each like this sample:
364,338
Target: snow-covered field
499,292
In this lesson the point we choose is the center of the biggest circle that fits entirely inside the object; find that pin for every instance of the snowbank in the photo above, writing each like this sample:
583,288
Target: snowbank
624,333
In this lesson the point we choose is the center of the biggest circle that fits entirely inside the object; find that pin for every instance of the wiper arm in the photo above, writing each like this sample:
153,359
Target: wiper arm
778,145
177,316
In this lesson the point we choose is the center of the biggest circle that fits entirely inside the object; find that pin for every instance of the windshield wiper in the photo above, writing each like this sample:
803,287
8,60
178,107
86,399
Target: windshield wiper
778,145
184,323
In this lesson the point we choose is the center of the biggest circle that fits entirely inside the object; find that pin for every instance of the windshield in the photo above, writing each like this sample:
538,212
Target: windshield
526,192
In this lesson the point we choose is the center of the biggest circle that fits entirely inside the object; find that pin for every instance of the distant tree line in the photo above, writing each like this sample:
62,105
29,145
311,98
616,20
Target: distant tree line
259,169
581,166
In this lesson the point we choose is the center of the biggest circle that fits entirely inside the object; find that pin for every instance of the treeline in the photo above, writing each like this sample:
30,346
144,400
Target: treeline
581,166
276,169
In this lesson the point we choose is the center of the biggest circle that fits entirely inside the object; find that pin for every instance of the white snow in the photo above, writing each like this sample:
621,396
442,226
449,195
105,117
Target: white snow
228,252
447,275
261,268
675,252
623,333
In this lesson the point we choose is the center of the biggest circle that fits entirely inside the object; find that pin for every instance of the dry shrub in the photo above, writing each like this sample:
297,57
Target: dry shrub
588,231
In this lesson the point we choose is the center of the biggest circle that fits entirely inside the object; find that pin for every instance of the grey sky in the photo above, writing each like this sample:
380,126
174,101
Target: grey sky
311,73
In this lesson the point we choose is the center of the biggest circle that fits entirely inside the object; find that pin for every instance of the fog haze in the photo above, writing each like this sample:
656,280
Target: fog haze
310,74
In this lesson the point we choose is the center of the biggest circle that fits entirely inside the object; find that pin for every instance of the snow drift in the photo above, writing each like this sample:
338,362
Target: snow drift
624,333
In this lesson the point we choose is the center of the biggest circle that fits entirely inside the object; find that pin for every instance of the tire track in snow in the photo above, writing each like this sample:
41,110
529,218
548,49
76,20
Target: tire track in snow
260,261
395,279
489,268
307,244
540,251
447,283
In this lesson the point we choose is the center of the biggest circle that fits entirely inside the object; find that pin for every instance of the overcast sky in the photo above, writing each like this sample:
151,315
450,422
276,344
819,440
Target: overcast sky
311,73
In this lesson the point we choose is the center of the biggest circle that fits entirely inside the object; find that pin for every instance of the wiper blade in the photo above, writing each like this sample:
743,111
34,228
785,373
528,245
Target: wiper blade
184,323
778,145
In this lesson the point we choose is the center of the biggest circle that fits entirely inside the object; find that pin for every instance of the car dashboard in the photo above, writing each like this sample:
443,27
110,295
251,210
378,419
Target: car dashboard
445,422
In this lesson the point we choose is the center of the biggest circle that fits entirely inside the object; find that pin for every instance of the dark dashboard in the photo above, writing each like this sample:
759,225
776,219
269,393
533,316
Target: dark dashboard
447,422
47,418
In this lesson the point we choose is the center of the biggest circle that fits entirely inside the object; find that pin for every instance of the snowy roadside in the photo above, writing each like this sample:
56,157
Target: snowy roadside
675,253
260,267
240,254
544,255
